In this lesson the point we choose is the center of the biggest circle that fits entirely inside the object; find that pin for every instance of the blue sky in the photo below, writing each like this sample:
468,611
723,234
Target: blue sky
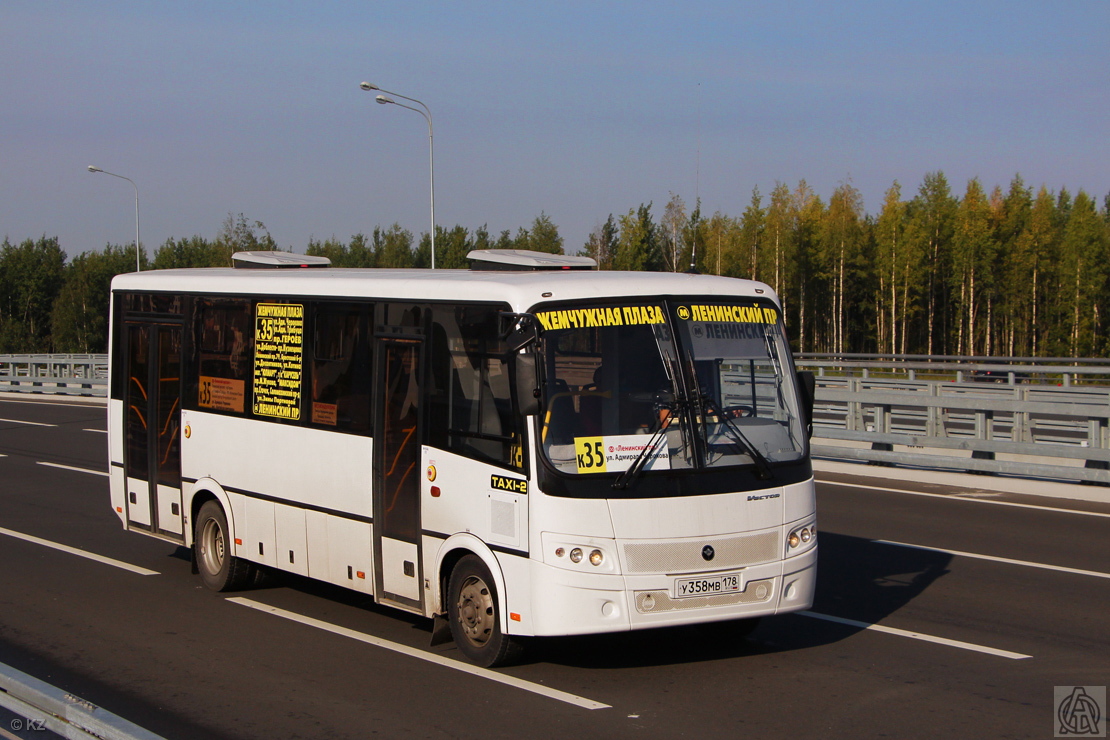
578,109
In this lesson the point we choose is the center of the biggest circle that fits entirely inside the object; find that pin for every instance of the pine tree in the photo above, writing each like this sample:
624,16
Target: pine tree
393,247
79,318
31,276
602,243
637,246
745,263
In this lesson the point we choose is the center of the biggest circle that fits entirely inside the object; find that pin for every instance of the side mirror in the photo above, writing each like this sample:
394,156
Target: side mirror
527,381
519,330
807,383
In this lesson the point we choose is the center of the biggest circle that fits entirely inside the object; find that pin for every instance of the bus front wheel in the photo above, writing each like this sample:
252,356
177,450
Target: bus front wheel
474,615
219,569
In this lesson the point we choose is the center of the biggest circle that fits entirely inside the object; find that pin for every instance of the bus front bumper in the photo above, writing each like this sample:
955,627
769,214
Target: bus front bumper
568,602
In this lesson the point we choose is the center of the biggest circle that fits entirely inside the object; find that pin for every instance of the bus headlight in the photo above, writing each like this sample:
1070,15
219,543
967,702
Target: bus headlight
581,554
801,537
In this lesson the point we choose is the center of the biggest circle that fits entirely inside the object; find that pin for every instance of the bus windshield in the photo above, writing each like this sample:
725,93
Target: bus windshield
641,387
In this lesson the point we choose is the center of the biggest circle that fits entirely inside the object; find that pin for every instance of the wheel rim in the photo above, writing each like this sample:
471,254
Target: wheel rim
212,546
476,611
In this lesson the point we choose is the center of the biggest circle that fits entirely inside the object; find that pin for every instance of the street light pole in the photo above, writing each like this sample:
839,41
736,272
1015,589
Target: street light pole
427,113
105,172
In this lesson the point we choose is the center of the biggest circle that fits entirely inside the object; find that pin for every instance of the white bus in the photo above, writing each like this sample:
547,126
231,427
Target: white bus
526,448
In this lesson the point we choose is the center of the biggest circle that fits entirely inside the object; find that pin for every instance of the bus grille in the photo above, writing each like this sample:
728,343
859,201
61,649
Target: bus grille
653,602
686,557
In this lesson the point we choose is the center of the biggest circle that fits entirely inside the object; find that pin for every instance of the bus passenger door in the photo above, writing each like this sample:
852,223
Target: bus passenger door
397,445
152,427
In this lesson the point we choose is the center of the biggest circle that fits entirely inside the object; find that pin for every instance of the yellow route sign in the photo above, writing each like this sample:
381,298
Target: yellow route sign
278,347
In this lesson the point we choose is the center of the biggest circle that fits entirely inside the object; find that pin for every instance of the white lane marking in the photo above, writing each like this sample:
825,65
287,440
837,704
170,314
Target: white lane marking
78,552
92,401
952,497
70,467
31,423
102,431
918,636
534,688
996,559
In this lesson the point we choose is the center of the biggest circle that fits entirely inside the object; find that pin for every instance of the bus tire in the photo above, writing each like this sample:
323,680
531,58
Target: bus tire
475,617
219,569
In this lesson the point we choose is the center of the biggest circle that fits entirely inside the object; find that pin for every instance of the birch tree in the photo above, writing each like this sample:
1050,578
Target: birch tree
672,228
891,267
1083,259
842,234
972,257
931,217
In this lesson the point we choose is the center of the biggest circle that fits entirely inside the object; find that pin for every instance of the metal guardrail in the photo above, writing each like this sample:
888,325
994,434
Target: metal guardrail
959,368
884,413
74,375
1043,418
71,717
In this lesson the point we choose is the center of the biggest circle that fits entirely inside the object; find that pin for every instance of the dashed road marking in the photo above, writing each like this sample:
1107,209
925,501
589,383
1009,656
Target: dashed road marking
473,670
29,423
79,552
70,467
996,559
952,497
918,636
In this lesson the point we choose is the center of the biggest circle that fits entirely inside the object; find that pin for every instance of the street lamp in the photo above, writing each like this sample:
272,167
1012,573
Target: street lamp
427,113
105,172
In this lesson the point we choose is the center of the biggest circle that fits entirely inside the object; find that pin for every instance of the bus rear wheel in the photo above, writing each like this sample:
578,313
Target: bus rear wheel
219,569
475,616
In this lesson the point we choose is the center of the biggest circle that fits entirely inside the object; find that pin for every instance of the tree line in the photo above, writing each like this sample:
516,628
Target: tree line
1012,273
1009,273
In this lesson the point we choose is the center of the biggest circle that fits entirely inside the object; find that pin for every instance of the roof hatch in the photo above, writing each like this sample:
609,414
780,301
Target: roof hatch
526,260
272,260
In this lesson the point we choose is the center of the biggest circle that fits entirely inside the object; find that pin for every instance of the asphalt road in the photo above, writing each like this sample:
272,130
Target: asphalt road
968,641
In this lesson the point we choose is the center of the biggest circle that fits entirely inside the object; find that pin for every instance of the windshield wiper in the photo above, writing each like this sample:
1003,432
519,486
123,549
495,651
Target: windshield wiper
762,466
629,476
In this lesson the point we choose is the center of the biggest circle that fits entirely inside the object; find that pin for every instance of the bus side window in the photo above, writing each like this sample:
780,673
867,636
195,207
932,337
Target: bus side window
225,348
340,369
470,399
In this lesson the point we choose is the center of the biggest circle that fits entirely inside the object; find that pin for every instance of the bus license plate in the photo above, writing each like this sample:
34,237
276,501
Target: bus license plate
725,583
